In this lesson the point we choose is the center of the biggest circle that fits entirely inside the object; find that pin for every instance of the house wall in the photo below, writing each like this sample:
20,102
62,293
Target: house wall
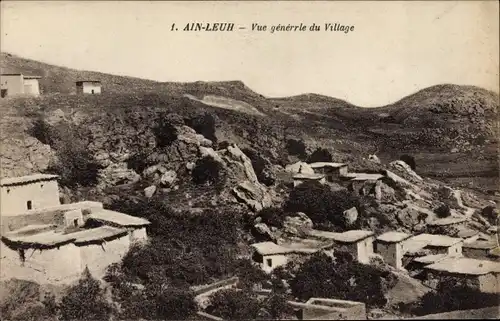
71,216
14,84
138,235
41,194
489,283
475,253
392,253
86,88
365,250
31,87
276,260
349,248
55,266
98,257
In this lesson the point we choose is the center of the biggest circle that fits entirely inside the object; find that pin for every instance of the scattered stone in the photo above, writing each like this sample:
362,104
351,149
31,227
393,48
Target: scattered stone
350,216
150,191
168,178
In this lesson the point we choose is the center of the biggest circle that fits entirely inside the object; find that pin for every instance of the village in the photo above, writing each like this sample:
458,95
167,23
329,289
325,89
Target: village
46,241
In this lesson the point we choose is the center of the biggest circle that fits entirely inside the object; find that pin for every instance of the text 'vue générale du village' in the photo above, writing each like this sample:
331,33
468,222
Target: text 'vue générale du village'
229,26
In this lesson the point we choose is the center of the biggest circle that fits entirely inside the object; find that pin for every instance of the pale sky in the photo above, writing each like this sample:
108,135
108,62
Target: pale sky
396,48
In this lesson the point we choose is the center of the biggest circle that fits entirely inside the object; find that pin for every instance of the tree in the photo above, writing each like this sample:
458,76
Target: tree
442,211
208,171
168,303
341,278
165,132
320,203
234,304
320,155
296,148
276,305
274,216
205,125
85,301
409,160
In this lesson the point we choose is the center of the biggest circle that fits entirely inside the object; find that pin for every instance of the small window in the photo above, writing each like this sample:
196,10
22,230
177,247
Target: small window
269,262
41,186
75,222
8,190
92,91
29,205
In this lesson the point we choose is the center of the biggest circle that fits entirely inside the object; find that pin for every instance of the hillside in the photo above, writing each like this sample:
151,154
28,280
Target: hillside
449,129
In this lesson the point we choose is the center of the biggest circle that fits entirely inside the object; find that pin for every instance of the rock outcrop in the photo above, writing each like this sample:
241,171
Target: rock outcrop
299,167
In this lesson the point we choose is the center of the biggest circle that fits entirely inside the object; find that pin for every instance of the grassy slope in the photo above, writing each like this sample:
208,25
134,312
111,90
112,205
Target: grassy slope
320,120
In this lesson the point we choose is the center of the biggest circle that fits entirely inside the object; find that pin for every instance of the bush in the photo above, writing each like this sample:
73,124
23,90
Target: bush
490,213
168,303
276,306
205,125
234,305
342,278
320,155
42,131
443,211
450,296
208,171
85,301
296,148
320,203
165,133
273,216
409,160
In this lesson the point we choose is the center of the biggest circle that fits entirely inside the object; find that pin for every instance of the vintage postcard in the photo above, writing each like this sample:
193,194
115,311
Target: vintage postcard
249,160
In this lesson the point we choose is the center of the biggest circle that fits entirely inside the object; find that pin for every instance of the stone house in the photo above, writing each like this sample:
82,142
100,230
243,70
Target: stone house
53,243
19,84
358,243
269,255
88,87
22,194
332,171
430,248
390,246
478,249
477,274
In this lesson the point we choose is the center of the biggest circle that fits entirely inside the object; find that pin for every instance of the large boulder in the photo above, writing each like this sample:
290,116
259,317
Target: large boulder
117,174
350,216
297,224
299,167
149,191
168,178
254,196
405,168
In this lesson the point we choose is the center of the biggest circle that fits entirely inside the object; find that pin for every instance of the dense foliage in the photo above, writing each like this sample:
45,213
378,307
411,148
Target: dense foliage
450,296
410,160
85,301
272,216
442,211
320,155
341,278
321,203
296,148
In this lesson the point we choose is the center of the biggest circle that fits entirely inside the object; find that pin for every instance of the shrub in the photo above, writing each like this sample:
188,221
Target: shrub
450,296
42,131
165,133
442,211
342,278
85,301
490,213
276,306
320,155
320,203
205,125
273,216
234,304
208,171
168,303
296,148
409,160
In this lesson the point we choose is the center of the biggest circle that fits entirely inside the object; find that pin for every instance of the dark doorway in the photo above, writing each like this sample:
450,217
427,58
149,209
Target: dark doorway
75,222
29,205
92,91
3,93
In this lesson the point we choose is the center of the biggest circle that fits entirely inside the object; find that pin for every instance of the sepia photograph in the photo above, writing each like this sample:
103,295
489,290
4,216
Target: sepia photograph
249,160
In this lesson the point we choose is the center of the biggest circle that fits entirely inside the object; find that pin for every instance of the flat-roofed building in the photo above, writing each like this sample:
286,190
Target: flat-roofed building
390,246
88,87
18,84
301,178
479,249
331,170
21,194
481,275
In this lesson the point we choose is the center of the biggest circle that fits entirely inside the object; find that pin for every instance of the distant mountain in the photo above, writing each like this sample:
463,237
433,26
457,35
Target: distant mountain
449,129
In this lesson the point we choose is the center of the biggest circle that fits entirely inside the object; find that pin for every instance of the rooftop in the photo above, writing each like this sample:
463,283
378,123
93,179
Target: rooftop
269,248
306,245
21,180
54,238
344,237
308,176
465,266
429,259
422,240
366,177
82,81
495,252
447,221
327,164
117,218
393,237
486,245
